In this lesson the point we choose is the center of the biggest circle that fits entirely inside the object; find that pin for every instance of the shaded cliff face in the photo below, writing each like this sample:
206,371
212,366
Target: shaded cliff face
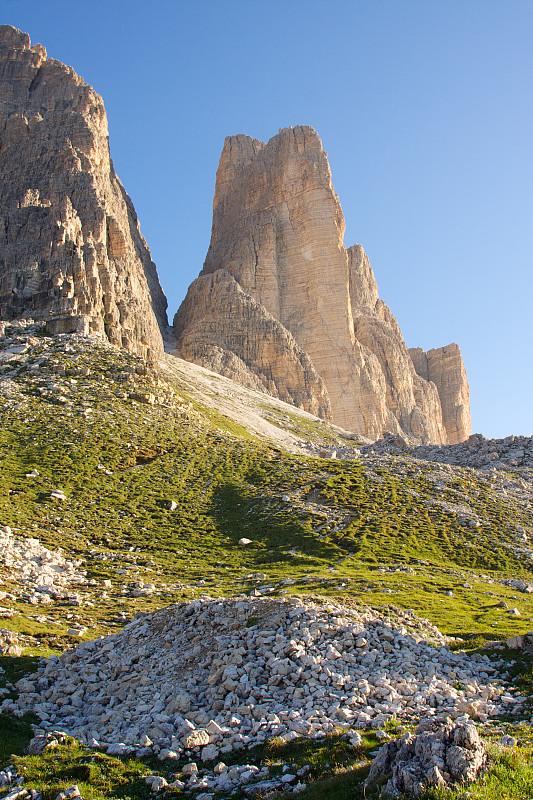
278,230
223,328
71,248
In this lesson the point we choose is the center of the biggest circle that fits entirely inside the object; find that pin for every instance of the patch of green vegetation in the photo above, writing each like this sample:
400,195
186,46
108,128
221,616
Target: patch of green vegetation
341,522
15,735
389,534
97,775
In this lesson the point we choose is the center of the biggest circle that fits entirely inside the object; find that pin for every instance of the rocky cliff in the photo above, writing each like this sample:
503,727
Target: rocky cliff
225,329
71,248
444,367
278,231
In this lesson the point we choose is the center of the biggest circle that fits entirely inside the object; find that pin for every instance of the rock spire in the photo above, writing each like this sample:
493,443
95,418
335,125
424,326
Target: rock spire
277,243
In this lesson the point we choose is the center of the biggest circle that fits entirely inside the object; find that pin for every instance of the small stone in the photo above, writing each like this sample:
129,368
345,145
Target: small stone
244,541
209,753
196,738
38,745
119,749
155,782
167,753
68,794
508,741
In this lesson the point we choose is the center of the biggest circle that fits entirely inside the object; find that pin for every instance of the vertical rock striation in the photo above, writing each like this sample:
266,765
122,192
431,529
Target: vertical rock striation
71,248
444,367
278,231
247,344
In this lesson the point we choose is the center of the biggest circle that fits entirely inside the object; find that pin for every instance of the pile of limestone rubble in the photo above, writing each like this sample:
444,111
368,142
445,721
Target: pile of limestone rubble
204,678
511,453
44,573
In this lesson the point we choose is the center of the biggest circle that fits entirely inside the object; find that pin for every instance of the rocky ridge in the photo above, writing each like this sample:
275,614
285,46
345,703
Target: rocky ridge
265,310
513,453
277,241
72,251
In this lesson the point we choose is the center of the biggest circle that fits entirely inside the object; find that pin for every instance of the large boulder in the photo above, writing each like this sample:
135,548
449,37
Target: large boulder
436,755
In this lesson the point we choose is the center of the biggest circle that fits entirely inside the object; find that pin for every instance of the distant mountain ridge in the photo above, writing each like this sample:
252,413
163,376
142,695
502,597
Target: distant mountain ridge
277,240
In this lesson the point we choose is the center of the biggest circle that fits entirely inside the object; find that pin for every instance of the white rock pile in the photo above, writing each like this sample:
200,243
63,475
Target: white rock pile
45,573
210,676
437,755
251,779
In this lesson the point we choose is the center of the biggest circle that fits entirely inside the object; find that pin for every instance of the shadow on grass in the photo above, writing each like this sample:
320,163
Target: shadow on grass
96,774
13,668
15,735
243,516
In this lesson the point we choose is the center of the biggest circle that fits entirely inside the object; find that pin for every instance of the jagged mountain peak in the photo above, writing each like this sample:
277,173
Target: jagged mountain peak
72,250
278,230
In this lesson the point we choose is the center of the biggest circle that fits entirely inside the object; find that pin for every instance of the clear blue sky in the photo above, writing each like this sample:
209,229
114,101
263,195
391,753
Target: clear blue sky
425,108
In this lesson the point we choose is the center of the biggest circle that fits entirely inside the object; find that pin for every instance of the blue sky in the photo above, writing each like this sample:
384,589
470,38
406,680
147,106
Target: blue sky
425,109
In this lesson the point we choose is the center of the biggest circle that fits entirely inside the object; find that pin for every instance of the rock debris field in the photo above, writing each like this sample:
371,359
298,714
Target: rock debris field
512,453
45,573
202,679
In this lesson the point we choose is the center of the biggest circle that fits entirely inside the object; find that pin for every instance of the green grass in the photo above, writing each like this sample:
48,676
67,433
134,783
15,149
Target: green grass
371,532
97,775
334,770
228,486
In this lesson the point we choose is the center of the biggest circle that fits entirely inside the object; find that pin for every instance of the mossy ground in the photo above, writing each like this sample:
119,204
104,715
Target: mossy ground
386,533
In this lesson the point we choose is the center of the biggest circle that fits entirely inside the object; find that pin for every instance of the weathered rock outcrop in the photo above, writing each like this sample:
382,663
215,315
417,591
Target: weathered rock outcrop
71,248
444,367
223,328
439,754
278,230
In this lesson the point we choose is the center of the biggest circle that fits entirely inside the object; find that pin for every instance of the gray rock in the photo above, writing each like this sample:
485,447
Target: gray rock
437,755
73,254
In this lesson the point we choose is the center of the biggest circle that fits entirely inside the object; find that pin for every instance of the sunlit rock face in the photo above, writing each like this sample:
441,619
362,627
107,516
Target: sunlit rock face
444,367
71,248
225,329
278,231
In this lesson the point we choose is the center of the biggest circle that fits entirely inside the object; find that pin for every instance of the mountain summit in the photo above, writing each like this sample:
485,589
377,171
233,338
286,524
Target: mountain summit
279,290
72,250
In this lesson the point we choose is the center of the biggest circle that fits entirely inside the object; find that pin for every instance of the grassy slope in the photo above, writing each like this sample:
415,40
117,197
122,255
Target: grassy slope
357,530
